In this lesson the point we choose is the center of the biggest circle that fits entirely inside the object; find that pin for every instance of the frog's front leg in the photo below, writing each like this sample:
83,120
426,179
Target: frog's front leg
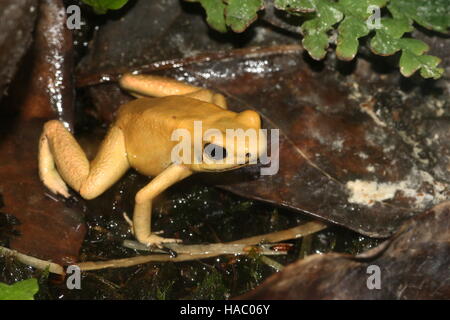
61,161
155,86
144,199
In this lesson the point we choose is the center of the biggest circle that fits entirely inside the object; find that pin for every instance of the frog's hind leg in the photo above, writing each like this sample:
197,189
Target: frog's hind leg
155,86
61,161
209,96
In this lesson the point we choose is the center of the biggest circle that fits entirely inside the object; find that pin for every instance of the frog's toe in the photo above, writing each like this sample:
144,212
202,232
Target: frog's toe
56,185
154,240
129,221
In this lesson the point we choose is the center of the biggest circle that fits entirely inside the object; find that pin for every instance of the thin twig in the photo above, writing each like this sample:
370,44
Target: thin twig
32,261
305,246
293,233
272,263
202,249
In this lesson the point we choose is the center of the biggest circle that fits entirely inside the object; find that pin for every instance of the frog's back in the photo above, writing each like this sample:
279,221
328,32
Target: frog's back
169,108
148,124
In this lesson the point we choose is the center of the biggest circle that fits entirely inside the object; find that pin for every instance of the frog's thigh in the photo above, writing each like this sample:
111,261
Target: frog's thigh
109,165
143,203
61,160
155,86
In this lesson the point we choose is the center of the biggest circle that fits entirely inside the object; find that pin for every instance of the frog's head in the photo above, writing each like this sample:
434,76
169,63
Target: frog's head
231,142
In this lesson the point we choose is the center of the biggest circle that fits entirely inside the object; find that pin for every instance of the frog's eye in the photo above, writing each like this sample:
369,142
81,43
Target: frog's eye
214,151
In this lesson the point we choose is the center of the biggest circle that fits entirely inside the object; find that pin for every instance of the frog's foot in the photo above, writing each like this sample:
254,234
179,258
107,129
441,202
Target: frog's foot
47,169
53,181
155,240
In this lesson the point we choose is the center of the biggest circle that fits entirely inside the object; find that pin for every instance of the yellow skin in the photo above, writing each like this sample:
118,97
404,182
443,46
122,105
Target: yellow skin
140,138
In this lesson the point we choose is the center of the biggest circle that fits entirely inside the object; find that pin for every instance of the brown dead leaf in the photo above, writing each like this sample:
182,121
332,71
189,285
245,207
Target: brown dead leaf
413,264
